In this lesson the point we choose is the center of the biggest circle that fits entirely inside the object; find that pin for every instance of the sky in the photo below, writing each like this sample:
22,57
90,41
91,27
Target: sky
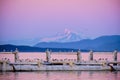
31,19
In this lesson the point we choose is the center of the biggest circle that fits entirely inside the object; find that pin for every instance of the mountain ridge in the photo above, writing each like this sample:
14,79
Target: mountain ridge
103,43
24,48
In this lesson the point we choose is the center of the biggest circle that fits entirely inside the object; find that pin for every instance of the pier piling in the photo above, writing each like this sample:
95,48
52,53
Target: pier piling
91,55
115,57
79,57
16,57
48,55
4,66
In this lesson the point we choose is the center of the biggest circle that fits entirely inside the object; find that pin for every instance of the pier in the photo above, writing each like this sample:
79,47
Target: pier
59,64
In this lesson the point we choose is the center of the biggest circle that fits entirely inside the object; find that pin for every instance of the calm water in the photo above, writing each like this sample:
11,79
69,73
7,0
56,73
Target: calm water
61,75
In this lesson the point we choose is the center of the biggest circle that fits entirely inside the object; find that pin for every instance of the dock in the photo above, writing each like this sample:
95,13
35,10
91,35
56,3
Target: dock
67,64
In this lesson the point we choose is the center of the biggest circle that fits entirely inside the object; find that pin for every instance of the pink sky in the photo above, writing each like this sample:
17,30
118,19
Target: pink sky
21,19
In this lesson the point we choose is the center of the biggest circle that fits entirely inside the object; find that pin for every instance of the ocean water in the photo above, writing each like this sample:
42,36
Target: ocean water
61,75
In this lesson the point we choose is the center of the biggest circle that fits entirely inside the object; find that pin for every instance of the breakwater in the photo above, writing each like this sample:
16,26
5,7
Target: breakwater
59,64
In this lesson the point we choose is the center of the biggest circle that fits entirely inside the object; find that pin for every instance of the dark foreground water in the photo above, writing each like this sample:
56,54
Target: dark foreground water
61,75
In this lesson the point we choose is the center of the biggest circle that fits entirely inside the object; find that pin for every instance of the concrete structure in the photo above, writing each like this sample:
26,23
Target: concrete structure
4,66
91,55
79,57
25,66
115,55
48,64
16,55
48,55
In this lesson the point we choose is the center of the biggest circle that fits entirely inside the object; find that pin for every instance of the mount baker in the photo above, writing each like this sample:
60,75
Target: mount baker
67,36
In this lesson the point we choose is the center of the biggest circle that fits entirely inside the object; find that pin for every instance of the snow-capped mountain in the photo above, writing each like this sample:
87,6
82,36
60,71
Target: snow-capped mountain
67,36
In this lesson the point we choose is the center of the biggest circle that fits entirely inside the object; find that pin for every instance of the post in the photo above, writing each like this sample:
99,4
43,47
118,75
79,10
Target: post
48,55
79,57
4,66
91,55
115,55
16,56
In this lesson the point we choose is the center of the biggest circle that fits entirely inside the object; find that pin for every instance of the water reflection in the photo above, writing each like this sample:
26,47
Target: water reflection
61,75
